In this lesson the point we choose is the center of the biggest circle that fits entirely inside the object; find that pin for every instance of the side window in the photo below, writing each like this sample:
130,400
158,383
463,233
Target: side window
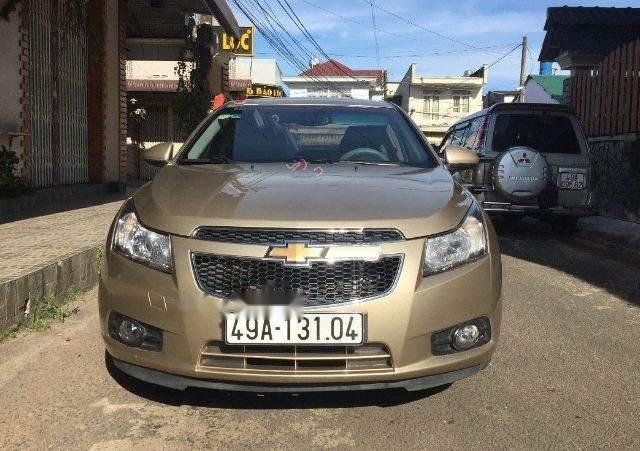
447,138
459,134
471,137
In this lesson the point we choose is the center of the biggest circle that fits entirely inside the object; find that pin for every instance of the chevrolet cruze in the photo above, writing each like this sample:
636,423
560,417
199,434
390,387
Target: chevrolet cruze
302,245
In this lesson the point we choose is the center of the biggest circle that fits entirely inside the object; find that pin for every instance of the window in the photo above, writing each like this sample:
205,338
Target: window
459,134
546,133
432,106
472,136
461,101
251,133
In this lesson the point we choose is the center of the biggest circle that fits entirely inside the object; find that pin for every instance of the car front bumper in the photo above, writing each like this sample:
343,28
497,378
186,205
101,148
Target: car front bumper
402,321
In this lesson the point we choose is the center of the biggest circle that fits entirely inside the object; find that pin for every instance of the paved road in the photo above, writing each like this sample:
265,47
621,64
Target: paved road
566,374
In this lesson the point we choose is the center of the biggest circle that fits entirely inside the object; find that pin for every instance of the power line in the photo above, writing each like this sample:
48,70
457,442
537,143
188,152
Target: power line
268,29
375,34
428,30
300,25
391,55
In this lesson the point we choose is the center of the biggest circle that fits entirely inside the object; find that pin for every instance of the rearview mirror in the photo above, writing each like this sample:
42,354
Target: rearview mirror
458,158
160,154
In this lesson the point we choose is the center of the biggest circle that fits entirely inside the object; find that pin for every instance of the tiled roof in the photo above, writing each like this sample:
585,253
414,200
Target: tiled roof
333,68
594,30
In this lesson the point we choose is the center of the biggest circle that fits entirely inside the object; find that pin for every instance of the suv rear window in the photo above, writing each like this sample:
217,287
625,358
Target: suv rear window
546,133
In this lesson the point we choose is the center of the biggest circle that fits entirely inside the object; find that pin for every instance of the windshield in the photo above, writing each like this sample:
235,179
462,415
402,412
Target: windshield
546,133
260,133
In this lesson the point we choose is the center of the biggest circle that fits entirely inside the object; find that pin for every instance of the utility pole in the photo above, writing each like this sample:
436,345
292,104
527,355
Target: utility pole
523,70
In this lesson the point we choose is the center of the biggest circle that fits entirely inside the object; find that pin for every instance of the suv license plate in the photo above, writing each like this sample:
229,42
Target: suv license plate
569,180
308,329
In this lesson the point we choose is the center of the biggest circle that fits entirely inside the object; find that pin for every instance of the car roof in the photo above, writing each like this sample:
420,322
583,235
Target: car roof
498,107
345,101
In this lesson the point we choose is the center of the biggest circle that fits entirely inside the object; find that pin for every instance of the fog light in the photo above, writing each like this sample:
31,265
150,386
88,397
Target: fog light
134,333
466,336
131,332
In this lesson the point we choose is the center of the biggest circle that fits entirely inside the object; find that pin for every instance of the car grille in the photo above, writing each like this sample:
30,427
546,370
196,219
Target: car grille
282,236
296,359
321,283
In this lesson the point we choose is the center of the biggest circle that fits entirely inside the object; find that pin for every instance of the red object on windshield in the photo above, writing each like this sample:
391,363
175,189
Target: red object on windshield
218,101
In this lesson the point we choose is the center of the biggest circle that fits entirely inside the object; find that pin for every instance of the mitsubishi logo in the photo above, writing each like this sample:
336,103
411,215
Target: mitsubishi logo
296,254
524,158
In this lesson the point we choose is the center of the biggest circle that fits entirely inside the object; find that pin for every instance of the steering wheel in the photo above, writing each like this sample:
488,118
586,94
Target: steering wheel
376,154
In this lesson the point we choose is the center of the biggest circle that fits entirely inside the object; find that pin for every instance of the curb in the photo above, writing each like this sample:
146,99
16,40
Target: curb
78,269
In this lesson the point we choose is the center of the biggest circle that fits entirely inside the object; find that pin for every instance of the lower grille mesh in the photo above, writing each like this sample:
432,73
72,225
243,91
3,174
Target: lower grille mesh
295,359
322,283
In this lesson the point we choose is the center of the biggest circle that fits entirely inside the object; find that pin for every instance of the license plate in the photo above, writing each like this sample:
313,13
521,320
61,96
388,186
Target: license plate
307,328
570,180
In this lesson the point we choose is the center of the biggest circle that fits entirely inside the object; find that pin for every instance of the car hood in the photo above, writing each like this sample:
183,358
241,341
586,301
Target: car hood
416,201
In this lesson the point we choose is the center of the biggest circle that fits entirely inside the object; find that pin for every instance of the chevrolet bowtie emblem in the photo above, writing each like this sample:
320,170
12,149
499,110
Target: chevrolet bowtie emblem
296,253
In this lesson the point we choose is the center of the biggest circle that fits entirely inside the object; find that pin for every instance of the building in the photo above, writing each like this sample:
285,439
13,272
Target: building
334,79
580,37
250,76
493,97
600,48
436,103
544,88
64,89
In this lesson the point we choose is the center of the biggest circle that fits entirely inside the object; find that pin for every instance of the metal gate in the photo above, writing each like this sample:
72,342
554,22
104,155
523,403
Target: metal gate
74,163
40,92
72,100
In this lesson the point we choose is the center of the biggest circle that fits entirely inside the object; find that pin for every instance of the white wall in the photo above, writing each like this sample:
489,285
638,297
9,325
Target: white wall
355,90
151,70
258,70
533,93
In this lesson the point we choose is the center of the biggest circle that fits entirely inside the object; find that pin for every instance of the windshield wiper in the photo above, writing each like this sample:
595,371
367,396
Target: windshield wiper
377,163
214,160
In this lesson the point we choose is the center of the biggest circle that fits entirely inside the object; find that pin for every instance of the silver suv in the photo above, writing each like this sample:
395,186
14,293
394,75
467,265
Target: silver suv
533,159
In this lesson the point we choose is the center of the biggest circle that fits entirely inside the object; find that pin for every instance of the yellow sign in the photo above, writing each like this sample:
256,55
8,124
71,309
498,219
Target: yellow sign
297,253
242,46
258,90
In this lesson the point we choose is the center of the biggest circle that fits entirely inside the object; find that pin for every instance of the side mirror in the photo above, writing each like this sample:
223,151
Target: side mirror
159,155
459,158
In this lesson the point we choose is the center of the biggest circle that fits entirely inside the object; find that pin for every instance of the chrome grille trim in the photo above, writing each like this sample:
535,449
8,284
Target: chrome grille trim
322,283
270,237
295,358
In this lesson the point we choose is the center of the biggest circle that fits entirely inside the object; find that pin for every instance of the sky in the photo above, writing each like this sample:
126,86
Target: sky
343,29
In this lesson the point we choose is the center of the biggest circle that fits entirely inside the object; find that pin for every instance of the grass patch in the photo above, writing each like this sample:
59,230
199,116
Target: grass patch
45,312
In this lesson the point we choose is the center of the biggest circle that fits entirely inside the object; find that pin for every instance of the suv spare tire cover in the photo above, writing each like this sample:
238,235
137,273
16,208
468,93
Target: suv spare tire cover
520,173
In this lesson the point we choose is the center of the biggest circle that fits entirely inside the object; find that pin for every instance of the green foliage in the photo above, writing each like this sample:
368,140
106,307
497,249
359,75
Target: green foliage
11,185
194,96
45,312
7,7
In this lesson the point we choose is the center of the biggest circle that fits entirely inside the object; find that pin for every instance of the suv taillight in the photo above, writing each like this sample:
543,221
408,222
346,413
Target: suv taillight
482,136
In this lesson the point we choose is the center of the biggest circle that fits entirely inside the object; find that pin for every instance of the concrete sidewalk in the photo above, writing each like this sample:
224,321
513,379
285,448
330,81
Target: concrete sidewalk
46,255
607,230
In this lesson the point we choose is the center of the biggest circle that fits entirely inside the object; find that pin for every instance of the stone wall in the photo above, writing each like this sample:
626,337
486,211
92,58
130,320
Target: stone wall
19,295
616,175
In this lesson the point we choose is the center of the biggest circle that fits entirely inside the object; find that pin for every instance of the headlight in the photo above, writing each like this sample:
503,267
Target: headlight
465,244
133,240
